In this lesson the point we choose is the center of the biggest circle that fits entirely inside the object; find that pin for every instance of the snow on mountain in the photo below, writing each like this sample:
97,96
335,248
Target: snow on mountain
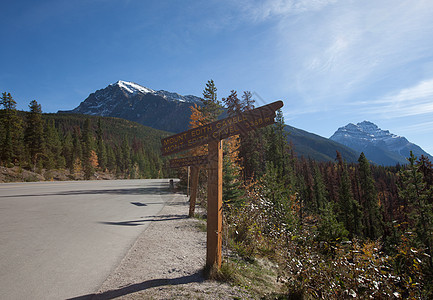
128,100
380,146
133,88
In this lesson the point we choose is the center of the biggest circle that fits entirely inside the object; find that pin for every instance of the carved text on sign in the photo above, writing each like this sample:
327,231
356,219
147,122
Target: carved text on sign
218,130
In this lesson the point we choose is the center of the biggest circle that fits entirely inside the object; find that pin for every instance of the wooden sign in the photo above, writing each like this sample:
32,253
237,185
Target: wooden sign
213,134
188,161
221,129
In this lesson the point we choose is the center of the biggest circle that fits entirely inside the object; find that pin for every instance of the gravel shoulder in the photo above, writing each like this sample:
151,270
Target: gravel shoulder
166,262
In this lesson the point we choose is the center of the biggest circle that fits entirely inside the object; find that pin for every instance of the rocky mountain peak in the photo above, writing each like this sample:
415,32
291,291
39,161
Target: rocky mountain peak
128,100
381,146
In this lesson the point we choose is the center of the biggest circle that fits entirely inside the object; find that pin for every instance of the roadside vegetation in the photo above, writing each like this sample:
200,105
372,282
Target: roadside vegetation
295,228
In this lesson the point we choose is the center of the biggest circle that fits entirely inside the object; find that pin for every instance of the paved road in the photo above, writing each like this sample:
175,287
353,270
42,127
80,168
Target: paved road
60,240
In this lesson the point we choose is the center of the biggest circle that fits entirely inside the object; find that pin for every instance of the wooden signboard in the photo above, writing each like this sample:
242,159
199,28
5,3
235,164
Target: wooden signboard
221,129
213,134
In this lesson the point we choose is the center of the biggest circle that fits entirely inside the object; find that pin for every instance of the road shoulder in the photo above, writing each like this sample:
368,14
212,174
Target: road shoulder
166,262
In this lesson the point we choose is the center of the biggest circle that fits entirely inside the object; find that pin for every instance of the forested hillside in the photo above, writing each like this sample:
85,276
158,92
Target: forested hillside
82,146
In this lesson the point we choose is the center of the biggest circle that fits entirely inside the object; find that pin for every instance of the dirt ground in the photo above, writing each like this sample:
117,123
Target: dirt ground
166,262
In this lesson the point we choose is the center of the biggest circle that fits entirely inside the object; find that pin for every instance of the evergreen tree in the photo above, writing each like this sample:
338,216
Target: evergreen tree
329,228
319,188
252,154
112,164
67,150
11,129
278,145
277,202
247,101
211,108
125,157
349,208
77,149
54,158
34,133
101,150
233,104
232,191
88,148
372,217
414,188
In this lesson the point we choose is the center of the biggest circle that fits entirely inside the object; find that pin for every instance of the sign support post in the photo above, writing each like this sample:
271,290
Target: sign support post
187,185
214,204
194,186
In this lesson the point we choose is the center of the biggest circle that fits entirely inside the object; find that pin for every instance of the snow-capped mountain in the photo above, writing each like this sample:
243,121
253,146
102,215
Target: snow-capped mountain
158,109
379,146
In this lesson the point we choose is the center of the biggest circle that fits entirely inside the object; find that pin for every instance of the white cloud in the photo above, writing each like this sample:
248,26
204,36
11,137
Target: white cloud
262,10
350,46
411,101
424,127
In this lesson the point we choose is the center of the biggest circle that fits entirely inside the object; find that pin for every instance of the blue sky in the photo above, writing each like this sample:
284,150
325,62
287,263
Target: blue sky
331,62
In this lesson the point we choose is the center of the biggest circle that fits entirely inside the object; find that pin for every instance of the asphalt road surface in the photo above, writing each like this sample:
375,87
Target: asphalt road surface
60,240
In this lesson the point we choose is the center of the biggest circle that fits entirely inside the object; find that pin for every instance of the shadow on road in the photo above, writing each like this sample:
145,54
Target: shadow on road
127,191
133,288
142,221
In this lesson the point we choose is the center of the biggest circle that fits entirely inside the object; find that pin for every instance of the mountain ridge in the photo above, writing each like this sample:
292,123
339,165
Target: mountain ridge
170,111
131,101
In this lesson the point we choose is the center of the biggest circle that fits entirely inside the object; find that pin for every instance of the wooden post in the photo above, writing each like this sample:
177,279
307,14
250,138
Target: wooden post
187,185
194,186
214,205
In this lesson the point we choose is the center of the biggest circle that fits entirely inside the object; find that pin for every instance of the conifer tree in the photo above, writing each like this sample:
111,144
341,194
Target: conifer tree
88,147
233,104
278,145
329,228
34,133
414,188
67,150
112,164
54,158
197,119
77,149
247,101
232,191
11,129
211,108
372,217
101,150
349,209
125,156
319,189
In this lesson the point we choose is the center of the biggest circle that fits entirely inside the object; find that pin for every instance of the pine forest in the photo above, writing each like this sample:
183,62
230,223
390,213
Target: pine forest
73,147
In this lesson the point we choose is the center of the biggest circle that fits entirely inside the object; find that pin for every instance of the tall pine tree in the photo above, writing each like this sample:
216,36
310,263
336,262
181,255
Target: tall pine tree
211,108
11,131
415,189
372,218
34,133
88,150
349,208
